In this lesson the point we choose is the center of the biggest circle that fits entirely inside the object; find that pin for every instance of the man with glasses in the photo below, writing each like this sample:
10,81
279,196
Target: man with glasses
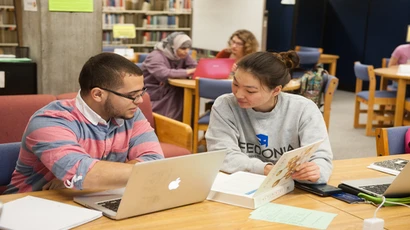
92,141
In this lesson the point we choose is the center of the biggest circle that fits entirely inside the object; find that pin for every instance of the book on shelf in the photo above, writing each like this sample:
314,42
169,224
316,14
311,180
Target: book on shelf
251,190
393,166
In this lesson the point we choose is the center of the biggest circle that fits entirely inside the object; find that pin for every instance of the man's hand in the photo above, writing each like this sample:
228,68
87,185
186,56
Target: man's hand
54,184
307,171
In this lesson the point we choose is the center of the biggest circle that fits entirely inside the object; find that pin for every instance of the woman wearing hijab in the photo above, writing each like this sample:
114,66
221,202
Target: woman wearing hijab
170,59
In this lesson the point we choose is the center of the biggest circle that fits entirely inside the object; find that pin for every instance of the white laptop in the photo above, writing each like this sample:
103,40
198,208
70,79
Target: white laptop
391,186
158,185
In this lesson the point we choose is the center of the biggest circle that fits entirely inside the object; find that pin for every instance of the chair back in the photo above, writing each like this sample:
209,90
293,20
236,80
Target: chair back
390,141
307,48
330,88
385,62
212,88
362,71
209,89
141,57
146,109
67,96
308,57
15,112
9,153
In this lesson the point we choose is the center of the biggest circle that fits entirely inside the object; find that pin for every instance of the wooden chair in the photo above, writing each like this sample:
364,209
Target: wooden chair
9,153
406,119
390,141
208,89
307,48
371,98
331,86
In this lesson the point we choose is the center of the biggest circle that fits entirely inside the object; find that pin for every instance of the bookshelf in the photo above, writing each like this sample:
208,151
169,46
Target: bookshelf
153,20
8,28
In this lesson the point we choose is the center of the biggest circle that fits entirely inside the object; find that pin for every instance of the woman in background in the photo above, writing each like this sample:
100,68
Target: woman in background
241,43
400,55
169,59
257,121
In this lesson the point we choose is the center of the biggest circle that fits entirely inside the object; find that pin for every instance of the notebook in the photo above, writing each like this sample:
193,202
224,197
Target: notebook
393,166
159,185
216,68
391,186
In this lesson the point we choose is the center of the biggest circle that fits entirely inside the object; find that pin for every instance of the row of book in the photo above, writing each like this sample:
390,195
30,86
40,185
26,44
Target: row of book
6,2
7,17
147,5
143,38
148,21
162,21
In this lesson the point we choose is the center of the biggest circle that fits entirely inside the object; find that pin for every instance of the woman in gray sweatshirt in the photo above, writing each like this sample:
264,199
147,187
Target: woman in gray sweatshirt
258,123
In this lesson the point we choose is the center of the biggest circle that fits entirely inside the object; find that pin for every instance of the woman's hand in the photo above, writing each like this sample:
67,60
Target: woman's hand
267,169
307,171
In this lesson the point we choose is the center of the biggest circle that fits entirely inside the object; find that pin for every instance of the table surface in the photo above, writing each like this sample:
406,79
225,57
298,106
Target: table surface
214,215
390,72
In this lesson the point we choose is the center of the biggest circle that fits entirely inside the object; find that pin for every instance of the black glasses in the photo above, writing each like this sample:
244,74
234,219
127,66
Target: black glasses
133,99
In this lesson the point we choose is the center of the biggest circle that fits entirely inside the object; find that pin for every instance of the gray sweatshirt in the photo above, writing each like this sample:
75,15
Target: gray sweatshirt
255,138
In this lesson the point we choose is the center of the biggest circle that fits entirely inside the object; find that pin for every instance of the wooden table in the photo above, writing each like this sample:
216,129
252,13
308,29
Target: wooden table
214,215
189,91
204,215
391,74
397,217
330,59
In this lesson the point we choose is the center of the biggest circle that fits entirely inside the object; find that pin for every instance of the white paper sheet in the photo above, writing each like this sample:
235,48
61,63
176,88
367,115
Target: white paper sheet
36,213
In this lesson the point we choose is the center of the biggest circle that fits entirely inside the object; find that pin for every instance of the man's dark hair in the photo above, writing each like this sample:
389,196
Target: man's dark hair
106,70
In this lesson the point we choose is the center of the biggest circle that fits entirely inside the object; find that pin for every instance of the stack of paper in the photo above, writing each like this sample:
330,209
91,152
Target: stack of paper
35,213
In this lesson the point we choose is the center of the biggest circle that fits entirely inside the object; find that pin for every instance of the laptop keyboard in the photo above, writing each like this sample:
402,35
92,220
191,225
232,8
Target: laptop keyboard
111,204
378,188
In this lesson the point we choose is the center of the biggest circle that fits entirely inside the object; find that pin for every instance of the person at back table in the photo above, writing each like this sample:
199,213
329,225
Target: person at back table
241,43
170,59
257,123
83,143
400,55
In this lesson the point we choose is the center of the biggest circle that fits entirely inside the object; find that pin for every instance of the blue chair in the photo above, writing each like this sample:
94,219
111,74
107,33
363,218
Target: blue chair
207,88
141,57
308,48
307,60
371,97
9,153
390,141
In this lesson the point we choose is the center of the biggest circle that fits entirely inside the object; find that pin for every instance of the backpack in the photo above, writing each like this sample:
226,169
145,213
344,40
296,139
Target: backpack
313,83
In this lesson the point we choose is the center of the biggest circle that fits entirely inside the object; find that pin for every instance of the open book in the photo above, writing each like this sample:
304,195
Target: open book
251,190
393,166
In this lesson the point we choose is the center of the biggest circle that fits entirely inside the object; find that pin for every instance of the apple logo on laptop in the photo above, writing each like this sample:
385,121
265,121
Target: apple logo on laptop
174,184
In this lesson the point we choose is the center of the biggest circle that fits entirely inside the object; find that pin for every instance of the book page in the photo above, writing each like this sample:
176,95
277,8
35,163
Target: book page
32,212
240,183
282,171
